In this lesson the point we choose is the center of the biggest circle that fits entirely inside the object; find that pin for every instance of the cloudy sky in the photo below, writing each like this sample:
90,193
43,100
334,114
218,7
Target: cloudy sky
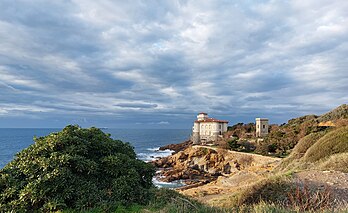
155,64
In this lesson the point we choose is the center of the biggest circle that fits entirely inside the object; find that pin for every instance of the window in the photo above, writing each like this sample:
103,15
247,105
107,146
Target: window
264,126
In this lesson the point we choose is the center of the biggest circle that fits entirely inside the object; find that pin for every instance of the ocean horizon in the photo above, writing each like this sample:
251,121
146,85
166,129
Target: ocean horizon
146,142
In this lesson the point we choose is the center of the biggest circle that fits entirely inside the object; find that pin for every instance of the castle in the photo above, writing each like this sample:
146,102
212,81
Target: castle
261,127
207,129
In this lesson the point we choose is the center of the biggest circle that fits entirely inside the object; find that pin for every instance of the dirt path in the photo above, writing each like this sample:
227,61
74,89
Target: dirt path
336,181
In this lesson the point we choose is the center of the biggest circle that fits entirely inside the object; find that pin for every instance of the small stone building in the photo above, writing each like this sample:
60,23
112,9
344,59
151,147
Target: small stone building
207,129
261,127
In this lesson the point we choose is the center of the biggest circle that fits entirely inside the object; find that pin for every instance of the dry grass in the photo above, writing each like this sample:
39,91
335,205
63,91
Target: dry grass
304,199
293,160
320,150
337,162
305,143
271,190
332,143
246,160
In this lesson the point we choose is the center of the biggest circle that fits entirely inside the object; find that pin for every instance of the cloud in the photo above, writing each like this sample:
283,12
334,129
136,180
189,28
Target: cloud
115,62
136,105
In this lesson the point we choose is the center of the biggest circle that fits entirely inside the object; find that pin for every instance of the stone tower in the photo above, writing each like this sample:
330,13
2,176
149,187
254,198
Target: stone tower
195,133
261,127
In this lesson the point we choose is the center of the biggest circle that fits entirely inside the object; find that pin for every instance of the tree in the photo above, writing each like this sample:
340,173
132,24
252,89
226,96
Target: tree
75,168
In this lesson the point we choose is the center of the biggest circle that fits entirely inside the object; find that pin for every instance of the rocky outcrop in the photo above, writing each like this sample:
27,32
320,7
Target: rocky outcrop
177,147
210,173
196,164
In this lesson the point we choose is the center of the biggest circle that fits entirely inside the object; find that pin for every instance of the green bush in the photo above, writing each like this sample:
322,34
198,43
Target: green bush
74,169
233,144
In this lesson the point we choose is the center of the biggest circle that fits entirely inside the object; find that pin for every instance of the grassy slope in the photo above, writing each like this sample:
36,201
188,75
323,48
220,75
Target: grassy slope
334,142
320,151
293,160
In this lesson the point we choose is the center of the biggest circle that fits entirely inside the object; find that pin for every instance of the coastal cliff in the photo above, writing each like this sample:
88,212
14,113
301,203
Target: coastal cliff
206,170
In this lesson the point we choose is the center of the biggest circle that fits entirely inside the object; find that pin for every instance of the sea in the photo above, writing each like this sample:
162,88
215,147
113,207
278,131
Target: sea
146,143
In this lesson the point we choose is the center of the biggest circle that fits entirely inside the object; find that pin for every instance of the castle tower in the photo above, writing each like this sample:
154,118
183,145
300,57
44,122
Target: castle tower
195,133
202,116
261,127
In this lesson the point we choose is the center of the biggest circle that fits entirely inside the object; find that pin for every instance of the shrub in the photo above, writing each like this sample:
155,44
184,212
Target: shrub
304,199
233,144
75,168
340,112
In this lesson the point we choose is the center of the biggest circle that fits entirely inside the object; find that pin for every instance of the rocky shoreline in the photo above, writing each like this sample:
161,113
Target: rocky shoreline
199,164
177,147
206,170
192,166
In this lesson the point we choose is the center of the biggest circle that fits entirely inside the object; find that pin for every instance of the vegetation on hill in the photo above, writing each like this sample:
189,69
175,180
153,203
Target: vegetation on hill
322,150
339,113
334,142
282,139
242,130
75,168
309,143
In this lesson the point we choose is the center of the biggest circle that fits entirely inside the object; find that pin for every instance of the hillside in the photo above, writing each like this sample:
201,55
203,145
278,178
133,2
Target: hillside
323,150
312,176
335,115
283,138
316,168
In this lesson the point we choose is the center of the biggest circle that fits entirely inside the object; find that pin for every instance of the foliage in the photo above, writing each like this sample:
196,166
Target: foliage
282,139
233,143
340,112
75,168
236,144
241,130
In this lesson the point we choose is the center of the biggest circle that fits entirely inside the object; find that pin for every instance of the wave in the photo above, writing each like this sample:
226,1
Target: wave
156,149
153,154
170,185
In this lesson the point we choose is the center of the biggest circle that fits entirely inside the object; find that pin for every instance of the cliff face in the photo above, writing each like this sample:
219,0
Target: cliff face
205,164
